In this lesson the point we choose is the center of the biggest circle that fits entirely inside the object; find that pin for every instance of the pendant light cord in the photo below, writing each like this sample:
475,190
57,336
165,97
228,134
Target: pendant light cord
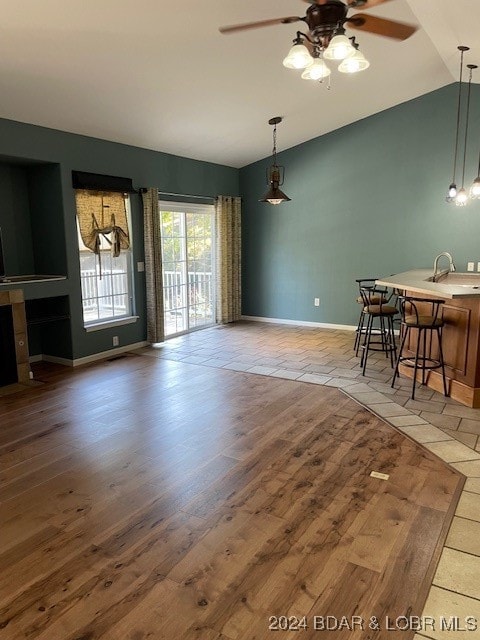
458,118
274,151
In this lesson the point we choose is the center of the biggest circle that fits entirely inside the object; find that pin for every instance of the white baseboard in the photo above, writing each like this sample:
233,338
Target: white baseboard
37,358
302,323
103,355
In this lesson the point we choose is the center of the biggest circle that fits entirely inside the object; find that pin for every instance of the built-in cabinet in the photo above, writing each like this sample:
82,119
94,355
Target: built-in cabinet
33,231
14,358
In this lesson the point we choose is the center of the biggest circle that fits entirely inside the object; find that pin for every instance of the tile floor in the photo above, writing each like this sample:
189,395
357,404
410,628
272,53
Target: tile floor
447,428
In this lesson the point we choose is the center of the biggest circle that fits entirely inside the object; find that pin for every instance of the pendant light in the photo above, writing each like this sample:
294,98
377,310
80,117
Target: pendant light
452,189
275,173
461,198
475,188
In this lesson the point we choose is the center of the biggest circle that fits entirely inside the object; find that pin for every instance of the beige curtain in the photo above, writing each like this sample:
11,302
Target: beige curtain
229,259
102,214
153,266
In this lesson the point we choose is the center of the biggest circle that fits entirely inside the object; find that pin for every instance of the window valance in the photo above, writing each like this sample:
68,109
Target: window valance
101,214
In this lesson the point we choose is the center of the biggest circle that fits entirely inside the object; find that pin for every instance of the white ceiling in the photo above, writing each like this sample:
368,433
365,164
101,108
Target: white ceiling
158,74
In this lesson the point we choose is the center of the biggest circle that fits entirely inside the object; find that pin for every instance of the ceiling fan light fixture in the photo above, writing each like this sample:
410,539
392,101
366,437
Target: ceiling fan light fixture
325,22
317,70
339,48
298,57
354,63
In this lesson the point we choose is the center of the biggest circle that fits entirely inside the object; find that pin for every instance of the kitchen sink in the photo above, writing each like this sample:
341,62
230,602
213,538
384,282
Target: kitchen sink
470,280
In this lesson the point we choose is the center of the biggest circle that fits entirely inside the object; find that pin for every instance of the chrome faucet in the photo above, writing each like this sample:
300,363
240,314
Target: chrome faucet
452,266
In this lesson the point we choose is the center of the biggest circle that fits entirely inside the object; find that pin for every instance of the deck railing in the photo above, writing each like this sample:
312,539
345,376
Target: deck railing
114,285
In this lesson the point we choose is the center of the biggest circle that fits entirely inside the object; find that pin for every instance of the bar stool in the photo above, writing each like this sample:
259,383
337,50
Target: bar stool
376,295
384,313
422,314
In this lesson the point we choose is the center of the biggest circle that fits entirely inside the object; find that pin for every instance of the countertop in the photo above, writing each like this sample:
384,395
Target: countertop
417,281
13,280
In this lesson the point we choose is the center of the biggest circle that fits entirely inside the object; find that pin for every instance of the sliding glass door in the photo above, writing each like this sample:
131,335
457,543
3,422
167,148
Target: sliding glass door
188,266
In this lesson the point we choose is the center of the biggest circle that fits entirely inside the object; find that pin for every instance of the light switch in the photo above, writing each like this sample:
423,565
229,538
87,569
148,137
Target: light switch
140,266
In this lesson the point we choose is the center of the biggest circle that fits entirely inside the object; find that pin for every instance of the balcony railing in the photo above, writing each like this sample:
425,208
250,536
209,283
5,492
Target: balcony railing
109,296
199,289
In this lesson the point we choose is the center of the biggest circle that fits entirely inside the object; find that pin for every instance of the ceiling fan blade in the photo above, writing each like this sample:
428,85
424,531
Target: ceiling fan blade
362,5
381,26
256,25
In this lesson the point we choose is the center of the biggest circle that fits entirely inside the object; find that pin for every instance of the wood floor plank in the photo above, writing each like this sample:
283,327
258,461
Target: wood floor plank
193,503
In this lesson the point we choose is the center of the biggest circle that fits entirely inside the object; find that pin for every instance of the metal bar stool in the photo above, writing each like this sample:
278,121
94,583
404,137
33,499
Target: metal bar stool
424,315
384,313
376,295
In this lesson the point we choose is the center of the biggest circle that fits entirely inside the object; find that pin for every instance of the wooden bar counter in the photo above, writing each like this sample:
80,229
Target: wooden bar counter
461,333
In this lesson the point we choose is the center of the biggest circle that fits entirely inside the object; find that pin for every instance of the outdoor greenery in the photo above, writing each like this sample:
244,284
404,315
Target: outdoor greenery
198,232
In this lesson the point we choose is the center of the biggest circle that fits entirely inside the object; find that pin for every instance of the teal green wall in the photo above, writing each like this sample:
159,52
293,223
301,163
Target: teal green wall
38,217
367,200
15,218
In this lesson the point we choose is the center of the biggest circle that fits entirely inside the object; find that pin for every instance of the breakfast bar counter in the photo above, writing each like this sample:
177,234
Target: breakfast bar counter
461,333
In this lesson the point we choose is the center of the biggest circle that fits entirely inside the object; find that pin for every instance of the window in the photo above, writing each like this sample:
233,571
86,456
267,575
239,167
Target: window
106,279
188,266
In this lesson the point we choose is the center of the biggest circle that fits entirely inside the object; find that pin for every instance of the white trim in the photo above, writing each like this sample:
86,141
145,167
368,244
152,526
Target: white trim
37,358
108,324
302,323
102,355
186,207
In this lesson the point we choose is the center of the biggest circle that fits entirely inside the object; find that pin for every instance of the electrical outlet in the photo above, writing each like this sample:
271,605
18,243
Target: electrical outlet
316,302
115,341
470,266
478,266
140,266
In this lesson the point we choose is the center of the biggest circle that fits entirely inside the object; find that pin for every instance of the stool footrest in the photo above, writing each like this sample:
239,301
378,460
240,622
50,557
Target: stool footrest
385,347
428,363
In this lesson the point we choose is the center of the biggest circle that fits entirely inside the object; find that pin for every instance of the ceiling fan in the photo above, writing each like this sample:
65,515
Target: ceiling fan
325,17
326,21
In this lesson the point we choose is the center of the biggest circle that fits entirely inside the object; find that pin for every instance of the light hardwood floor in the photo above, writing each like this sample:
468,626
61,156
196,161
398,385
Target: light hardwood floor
144,498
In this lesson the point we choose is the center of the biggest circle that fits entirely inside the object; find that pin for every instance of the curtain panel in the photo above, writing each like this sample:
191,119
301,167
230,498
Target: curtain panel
153,266
228,228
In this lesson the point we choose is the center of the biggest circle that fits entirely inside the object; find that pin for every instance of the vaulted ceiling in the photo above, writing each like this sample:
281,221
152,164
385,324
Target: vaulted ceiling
158,74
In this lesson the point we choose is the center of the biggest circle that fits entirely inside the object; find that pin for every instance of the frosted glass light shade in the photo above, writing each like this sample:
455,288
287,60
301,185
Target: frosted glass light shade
475,188
339,48
317,70
462,198
452,190
298,57
353,63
